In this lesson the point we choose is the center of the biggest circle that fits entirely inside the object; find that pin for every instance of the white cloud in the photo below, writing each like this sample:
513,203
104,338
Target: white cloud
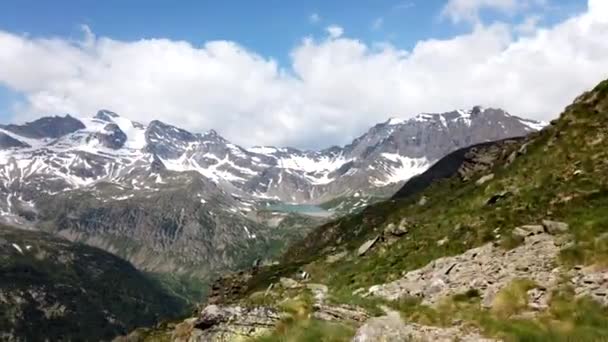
468,10
334,89
335,31
599,9
314,18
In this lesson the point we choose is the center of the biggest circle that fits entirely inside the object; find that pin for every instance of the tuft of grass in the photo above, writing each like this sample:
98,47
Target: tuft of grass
511,241
513,298
311,330
469,295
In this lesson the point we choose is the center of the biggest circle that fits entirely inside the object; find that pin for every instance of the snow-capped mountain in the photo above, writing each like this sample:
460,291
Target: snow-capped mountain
170,200
55,154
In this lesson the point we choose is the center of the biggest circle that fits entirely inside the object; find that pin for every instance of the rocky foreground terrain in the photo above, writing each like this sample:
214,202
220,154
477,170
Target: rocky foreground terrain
507,241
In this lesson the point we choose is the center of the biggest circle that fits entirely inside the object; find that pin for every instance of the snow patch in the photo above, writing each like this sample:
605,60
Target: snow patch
395,121
405,169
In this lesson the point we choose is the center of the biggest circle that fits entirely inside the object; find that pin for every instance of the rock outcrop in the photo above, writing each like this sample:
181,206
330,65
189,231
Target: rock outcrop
486,269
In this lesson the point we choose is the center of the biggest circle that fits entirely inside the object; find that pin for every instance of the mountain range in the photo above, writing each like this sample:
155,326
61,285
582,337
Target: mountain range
100,180
69,153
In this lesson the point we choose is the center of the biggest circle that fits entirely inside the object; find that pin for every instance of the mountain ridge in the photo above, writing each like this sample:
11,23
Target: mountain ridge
384,154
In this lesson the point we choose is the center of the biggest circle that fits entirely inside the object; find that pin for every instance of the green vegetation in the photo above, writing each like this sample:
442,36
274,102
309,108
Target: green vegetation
311,330
58,290
297,324
191,290
560,173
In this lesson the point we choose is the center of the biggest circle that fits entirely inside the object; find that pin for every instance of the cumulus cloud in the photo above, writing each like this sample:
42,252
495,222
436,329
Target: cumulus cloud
333,90
334,31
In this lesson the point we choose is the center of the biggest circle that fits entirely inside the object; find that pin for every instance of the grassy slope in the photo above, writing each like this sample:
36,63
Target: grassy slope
562,176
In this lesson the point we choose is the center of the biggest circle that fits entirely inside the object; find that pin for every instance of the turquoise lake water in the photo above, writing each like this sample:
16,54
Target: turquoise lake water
304,209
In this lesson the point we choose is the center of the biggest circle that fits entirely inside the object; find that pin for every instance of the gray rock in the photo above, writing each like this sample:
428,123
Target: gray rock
423,201
555,227
397,230
591,282
365,247
528,230
289,283
498,197
485,179
443,241
487,269
340,313
228,323
538,299
336,257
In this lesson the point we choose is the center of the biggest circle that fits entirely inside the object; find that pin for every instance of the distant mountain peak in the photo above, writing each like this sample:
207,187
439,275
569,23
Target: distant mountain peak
106,115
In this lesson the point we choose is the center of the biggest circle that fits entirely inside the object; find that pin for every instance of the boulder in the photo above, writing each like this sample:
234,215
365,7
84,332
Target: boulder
528,230
423,201
335,257
319,291
397,230
498,197
555,227
485,179
365,247
340,313
288,283
228,323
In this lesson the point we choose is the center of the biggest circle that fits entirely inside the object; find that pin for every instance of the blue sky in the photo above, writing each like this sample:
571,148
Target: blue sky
378,38
269,27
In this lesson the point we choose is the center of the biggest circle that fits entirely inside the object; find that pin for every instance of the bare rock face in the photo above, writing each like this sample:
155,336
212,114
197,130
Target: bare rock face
226,324
366,246
487,269
485,179
391,328
590,282
554,227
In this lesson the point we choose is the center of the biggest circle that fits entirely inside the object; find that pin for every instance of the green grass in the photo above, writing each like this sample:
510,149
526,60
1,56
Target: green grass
311,330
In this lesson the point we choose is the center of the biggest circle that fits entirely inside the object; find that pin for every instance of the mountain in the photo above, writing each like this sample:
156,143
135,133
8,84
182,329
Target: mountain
76,153
499,241
171,201
55,290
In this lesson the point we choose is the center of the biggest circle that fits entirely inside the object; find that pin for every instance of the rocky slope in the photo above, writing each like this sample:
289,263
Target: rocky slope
52,290
507,243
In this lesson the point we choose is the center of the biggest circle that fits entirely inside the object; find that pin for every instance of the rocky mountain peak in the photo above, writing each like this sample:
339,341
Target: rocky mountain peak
106,115
46,127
